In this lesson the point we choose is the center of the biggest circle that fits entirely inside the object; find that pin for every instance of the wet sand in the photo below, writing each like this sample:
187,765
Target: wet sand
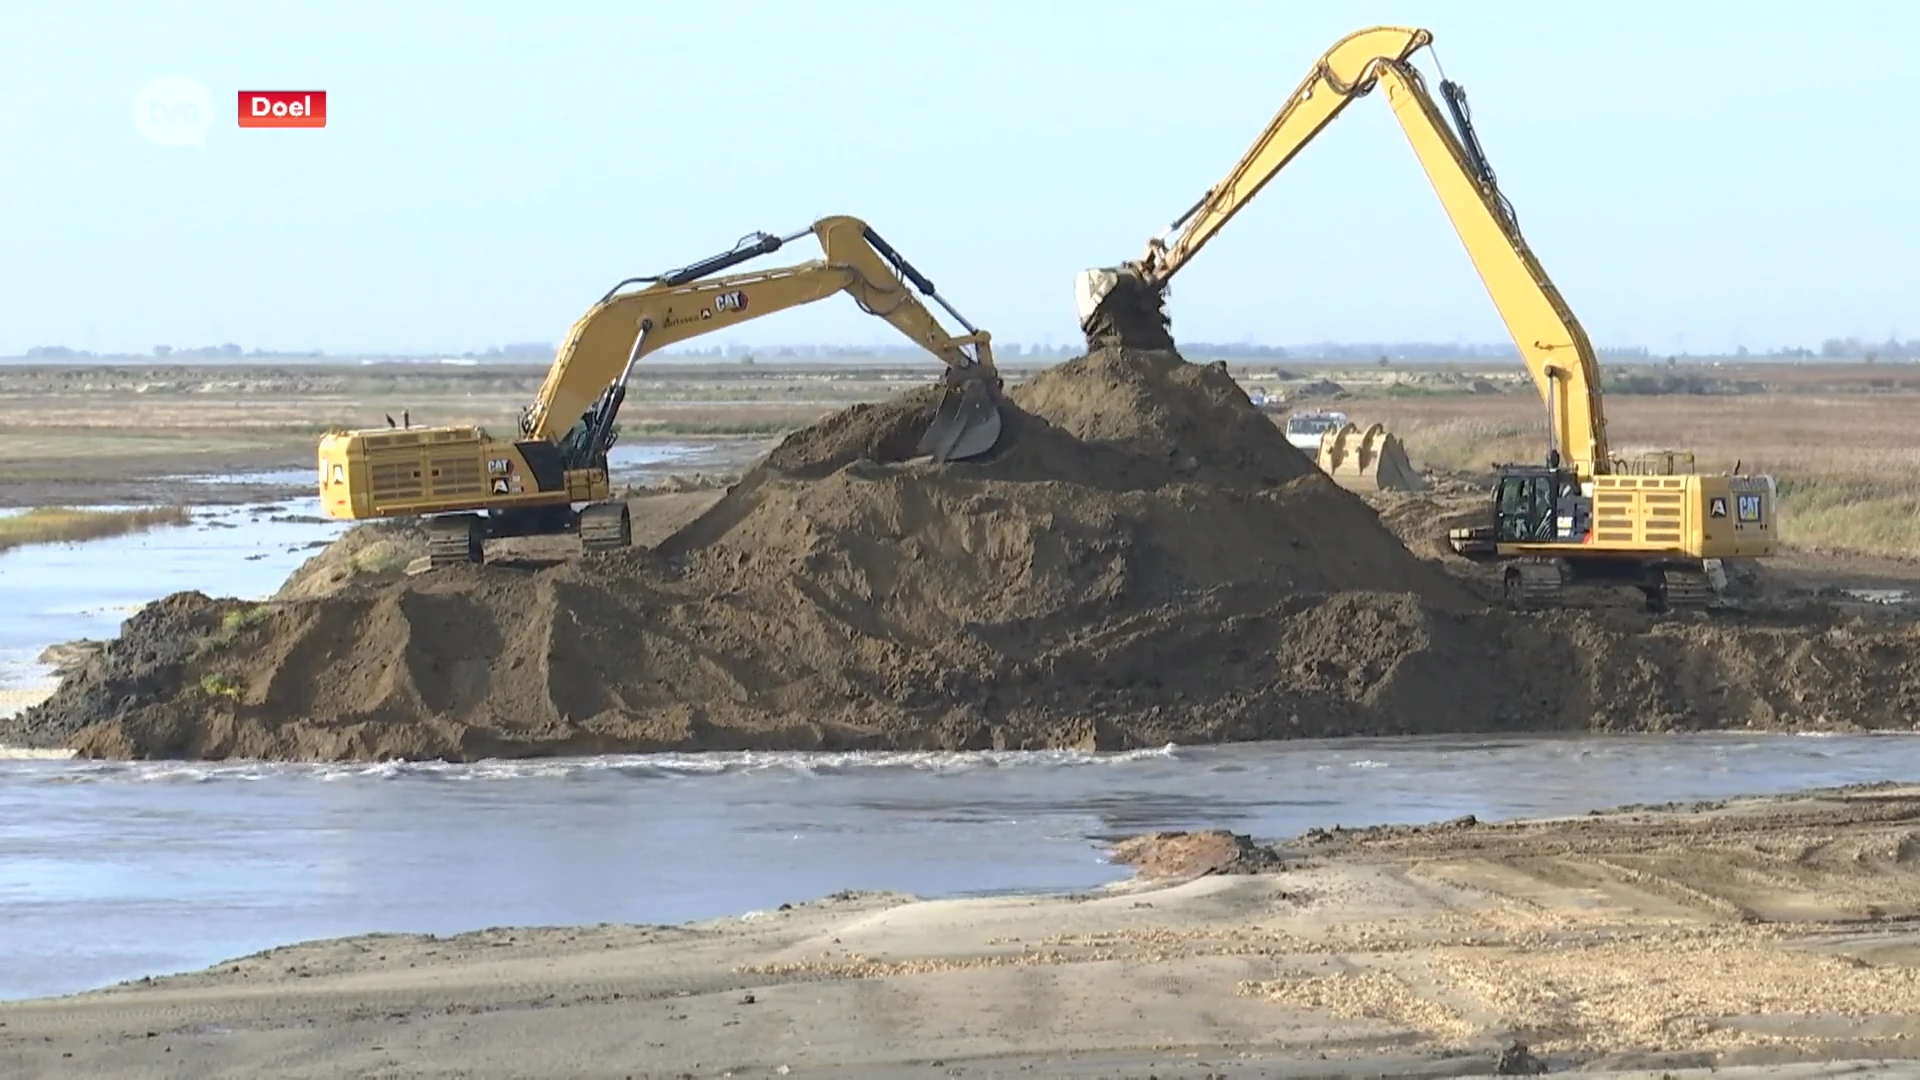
1749,933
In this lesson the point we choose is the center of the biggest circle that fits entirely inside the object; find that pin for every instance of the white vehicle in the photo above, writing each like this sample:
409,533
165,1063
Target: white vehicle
1305,429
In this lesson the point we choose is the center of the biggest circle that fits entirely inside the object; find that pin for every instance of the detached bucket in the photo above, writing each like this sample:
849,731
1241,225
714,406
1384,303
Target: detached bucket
1369,460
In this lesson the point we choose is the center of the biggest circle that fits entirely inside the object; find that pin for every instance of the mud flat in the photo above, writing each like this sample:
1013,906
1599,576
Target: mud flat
1148,561
1743,935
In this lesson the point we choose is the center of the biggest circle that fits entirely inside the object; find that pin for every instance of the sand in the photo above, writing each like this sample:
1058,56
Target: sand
1147,561
1735,934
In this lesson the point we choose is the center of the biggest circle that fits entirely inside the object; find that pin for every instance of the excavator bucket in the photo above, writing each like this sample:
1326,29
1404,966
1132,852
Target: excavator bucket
967,423
1120,309
1369,460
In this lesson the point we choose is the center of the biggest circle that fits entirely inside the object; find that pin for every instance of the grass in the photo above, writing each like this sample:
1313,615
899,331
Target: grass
65,525
1879,517
1847,463
214,684
231,626
381,557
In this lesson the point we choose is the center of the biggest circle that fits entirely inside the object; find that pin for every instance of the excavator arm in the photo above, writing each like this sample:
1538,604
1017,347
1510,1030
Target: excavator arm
1343,74
581,397
1551,341
1125,305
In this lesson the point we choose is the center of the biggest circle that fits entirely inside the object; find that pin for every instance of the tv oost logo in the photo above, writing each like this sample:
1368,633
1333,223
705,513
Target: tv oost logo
173,111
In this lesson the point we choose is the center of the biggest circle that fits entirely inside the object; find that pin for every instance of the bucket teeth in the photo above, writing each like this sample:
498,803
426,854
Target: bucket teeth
1368,460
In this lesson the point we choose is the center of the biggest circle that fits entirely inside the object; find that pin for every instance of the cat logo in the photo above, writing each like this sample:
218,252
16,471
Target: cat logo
500,485
339,474
730,301
499,466
1718,507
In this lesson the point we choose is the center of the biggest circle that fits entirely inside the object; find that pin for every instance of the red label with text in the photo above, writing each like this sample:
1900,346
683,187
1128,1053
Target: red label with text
283,108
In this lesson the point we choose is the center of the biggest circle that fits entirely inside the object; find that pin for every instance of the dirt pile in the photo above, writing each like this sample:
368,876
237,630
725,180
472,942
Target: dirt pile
142,669
1161,855
1145,561
376,551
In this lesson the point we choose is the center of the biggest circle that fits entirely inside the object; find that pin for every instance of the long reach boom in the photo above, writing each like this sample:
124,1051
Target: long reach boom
1125,305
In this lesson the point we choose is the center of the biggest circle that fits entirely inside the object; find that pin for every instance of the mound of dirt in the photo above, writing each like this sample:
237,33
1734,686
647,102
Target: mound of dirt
677,483
376,551
144,669
1161,855
1421,519
1146,560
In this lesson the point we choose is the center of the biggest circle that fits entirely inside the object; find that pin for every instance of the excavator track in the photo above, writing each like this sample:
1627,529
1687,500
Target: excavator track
1532,586
455,539
1686,589
1475,541
606,527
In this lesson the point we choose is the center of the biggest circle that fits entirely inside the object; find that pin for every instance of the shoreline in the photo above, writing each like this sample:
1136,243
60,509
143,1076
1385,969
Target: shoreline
1758,931
28,753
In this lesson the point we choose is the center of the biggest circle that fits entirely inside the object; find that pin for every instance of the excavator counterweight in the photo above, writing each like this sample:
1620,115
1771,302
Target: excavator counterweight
472,486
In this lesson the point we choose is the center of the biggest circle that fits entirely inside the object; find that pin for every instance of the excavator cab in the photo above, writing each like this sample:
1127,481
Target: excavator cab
1534,504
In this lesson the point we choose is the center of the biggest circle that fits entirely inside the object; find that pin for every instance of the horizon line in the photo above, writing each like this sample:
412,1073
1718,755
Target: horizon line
1369,351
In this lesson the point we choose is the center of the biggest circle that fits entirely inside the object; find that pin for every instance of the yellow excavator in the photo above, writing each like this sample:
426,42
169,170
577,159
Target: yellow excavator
471,486
1585,516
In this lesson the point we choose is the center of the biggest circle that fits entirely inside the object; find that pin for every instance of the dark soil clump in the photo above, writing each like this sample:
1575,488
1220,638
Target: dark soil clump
1133,315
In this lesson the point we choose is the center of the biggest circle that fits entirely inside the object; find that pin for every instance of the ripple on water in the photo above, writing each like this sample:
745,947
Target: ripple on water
629,766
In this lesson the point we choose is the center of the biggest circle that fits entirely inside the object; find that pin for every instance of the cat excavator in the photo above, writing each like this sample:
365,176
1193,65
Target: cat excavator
1585,516
471,486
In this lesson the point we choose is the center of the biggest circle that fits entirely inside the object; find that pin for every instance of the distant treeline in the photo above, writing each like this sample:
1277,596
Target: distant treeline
1849,348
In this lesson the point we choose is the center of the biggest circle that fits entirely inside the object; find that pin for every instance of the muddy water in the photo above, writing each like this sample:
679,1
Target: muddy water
113,870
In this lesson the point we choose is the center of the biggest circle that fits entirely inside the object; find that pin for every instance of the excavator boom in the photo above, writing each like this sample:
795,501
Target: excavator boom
1551,341
472,486
1124,305
589,375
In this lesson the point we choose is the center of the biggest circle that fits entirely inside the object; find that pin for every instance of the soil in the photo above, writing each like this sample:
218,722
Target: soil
1133,315
1162,855
129,676
1145,560
378,550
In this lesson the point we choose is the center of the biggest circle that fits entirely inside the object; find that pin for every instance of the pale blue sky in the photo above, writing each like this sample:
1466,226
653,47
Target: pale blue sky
1695,176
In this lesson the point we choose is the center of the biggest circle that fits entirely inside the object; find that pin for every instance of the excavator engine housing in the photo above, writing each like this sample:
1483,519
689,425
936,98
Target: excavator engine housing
507,488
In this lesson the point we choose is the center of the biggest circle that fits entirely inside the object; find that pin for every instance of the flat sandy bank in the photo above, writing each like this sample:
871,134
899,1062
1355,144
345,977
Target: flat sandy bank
1742,934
